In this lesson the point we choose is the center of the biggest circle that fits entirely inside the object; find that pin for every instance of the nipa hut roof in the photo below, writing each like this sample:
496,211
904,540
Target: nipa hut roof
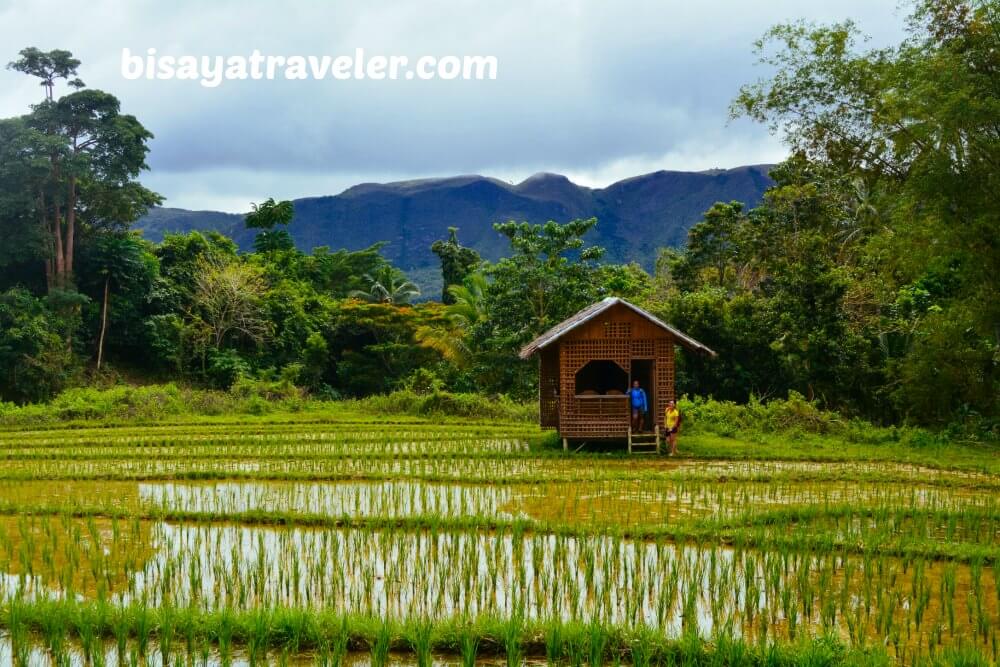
592,311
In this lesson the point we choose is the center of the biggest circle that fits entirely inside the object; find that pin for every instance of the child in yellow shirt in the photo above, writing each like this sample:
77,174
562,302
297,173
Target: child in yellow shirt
672,420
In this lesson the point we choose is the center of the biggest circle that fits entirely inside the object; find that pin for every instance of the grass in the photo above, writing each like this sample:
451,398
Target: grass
169,403
980,457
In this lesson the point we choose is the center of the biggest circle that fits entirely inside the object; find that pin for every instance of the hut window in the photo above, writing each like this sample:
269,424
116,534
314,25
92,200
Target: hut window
601,377
617,329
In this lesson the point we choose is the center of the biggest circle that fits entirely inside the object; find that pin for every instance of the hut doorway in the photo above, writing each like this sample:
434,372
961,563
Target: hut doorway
642,370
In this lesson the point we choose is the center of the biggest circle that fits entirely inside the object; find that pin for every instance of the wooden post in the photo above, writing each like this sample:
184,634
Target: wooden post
629,439
657,429
565,444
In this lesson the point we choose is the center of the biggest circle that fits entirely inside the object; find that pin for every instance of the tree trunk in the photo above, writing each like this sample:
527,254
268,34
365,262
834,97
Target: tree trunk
104,322
49,243
70,233
60,257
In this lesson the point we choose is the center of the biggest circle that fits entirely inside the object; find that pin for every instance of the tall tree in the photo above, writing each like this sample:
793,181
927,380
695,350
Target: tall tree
914,129
550,274
79,157
266,217
712,246
48,66
457,262
118,263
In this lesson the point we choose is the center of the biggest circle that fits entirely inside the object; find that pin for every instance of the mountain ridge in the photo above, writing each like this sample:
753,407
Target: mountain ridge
636,215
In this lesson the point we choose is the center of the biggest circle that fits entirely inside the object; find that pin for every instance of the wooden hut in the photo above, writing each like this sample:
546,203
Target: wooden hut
588,362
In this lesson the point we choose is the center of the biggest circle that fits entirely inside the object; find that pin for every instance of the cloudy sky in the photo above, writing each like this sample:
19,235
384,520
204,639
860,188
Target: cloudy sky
596,90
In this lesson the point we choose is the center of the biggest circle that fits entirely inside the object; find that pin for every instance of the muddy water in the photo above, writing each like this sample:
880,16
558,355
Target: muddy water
33,651
59,557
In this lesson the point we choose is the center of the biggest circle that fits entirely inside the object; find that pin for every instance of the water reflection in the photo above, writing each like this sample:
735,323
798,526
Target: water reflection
428,574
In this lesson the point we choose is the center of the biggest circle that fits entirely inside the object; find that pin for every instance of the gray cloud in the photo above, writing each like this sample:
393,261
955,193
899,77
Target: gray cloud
592,89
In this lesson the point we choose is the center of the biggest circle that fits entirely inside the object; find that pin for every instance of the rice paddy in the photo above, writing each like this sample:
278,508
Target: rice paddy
367,542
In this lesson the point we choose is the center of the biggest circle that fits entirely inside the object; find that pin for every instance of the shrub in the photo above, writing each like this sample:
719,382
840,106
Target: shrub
445,403
253,396
225,367
794,418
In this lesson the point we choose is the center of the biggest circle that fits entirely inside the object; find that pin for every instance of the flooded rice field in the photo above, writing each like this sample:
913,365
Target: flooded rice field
646,502
395,529
441,574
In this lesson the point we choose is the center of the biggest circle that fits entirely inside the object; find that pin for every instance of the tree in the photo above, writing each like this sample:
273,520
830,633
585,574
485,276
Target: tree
467,308
120,263
48,66
387,285
266,217
22,240
78,156
371,345
627,281
712,246
550,275
181,257
35,361
339,273
457,262
914,128
228,299
740,327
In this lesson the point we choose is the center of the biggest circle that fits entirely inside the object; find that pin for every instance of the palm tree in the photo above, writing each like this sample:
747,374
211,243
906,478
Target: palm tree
863,217
387,285
450,338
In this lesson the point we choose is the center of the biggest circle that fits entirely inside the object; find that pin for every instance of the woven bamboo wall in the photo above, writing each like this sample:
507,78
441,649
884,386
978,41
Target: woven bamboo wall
619,335
664,372
548,386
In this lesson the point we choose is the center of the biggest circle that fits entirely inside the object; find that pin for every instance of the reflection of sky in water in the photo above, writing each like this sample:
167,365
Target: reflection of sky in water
354,499
600,503
648,502
13,585
489,469
420,574
407,574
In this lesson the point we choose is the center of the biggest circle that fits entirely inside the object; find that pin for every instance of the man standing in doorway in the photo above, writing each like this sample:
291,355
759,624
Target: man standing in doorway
672,421
640,405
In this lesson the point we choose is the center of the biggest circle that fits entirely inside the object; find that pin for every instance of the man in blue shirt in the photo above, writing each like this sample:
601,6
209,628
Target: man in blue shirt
640,406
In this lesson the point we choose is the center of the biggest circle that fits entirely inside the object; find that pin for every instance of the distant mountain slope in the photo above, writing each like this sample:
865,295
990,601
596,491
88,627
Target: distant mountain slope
636,216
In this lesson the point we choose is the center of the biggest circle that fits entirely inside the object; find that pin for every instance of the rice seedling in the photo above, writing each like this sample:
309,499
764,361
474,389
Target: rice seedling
419,636
268,540
381,643
512,642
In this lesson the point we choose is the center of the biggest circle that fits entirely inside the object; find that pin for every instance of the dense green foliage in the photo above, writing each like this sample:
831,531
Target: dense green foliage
865,281
867,278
